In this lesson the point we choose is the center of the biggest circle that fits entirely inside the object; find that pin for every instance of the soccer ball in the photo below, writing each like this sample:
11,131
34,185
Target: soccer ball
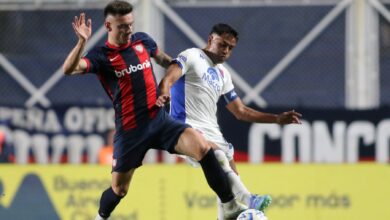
252,214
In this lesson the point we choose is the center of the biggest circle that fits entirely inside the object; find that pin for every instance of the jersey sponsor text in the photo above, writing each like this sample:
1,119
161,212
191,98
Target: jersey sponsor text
133,69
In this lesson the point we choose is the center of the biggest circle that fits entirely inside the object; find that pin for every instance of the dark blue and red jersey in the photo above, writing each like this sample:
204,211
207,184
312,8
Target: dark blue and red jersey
126,74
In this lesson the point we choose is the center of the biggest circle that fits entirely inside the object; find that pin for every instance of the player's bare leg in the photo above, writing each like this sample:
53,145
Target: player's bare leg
112,196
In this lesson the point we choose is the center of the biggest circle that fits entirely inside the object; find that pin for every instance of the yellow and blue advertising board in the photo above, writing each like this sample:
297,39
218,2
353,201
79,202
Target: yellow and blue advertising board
179,192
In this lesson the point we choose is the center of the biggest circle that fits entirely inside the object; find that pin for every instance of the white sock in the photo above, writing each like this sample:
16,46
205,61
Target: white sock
231,208
98,217
219,210
239,190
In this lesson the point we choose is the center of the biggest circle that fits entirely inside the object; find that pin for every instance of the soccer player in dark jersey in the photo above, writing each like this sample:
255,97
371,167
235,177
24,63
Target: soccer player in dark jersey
125,71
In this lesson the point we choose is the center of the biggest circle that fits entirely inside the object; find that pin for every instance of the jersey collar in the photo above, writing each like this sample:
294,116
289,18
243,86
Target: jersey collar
116,47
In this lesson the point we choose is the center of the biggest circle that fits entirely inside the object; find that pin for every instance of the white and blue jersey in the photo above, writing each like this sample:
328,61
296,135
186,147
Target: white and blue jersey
195,95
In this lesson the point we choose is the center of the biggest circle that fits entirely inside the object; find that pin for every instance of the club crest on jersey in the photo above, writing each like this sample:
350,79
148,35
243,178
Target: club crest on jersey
212,78
139,48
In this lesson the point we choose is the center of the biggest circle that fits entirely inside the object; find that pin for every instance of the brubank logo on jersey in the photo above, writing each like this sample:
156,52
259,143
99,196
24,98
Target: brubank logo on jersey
212,78
133,68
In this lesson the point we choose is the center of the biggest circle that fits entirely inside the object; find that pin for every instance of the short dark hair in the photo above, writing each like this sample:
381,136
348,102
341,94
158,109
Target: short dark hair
222,28
118,7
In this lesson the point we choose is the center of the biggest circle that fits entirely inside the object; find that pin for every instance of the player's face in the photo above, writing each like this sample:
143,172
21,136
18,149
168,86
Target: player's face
120,27
221,46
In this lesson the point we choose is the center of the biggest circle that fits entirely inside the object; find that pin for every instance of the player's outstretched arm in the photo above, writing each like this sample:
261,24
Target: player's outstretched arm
163,59
73,63
245,113
172,75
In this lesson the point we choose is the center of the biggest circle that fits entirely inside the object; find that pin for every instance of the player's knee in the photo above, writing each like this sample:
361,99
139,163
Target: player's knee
120,190
202,151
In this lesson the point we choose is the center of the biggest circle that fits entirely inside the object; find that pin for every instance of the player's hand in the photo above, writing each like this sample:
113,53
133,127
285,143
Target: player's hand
290,117
162,100
83,29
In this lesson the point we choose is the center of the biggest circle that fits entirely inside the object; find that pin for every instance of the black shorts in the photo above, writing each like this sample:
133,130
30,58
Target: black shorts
161,133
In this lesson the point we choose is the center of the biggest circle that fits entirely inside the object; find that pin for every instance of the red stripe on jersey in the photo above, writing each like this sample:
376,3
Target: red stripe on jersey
126,90
150,83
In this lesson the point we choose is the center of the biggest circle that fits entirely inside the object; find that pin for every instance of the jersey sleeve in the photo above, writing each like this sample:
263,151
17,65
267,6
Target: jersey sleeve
228,92
227,79
149,43
92,59
184,60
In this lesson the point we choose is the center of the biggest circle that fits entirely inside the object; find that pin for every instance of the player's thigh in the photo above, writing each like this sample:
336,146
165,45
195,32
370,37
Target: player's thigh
192,144
121,181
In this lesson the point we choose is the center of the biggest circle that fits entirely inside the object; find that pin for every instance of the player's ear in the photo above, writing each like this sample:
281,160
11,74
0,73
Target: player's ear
108,26
210,38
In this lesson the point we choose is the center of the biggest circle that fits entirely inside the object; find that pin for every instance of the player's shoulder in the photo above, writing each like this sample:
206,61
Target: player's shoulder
188,54
191,52
139,36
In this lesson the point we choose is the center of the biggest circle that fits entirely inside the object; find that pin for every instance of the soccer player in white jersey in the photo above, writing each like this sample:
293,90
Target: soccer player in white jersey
194,83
